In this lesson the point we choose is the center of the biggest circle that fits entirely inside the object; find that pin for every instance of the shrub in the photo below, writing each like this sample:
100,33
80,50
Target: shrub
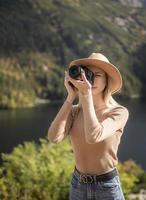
130,174
36,171
42,171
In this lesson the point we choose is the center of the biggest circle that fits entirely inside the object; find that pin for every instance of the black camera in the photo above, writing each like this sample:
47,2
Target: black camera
76,70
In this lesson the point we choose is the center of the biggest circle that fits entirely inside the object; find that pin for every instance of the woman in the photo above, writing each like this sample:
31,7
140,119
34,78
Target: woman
95,126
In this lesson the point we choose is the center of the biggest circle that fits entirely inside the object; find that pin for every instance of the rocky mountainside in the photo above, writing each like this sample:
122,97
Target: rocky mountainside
39,38
133,3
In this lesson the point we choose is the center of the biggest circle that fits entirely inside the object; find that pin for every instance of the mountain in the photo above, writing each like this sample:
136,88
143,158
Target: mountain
133,3
38,39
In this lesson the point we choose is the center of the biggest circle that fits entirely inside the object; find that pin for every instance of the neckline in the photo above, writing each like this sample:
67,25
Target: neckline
96,109
100,108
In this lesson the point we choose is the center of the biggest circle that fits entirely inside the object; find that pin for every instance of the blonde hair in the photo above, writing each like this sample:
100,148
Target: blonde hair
107,96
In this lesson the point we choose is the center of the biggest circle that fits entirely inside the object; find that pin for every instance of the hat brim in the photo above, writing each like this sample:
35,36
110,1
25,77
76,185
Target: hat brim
109,68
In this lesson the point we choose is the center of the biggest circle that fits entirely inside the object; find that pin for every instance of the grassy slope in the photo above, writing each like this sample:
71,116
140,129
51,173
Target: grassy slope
44,36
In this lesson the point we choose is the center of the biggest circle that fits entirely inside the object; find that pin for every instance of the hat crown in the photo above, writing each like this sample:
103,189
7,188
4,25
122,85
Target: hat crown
100,61
98,56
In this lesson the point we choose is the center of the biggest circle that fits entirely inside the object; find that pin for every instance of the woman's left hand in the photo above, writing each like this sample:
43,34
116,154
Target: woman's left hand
83,86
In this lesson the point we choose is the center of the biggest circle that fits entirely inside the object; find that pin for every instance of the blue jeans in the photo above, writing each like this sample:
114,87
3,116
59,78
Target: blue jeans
101,190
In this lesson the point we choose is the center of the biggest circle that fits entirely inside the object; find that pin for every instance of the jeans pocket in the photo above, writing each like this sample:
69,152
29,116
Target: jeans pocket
77,189
74,181
108,190
76,193
111,185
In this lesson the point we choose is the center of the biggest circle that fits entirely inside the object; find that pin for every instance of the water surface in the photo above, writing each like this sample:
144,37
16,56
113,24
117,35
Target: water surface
30,124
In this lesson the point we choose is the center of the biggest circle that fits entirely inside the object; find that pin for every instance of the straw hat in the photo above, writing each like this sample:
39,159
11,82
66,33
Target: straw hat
100,61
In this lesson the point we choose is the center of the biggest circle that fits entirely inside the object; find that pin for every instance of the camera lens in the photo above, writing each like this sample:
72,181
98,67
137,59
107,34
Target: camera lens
75,71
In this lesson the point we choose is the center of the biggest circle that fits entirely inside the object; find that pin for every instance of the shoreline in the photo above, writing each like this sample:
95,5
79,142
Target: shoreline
39,101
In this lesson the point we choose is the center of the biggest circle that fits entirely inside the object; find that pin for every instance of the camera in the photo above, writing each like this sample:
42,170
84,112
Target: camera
76,70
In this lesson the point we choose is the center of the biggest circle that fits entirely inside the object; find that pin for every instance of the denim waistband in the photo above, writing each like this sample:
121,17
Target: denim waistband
88,178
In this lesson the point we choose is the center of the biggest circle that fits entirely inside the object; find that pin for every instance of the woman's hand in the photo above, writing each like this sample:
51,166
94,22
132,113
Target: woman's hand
83,85
72,91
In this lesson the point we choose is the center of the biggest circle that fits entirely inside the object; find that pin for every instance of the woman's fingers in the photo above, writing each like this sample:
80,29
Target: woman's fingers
81,84
66,76
85,79
73,81
70,88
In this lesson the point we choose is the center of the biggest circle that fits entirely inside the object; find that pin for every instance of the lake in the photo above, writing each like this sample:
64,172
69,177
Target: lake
30,124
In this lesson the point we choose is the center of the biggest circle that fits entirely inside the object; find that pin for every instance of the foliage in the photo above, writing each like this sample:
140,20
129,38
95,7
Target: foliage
47,35
133,178
130,174
45,76
15,90
35,171
42,171
27,76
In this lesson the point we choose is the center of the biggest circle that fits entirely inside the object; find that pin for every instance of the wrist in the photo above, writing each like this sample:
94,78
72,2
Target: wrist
87,93
70,99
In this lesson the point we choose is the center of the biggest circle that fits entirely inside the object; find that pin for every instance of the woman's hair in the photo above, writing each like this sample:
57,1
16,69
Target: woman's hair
107,96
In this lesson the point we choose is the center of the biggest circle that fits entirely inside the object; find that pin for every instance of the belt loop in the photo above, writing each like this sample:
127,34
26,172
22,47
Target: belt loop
94,177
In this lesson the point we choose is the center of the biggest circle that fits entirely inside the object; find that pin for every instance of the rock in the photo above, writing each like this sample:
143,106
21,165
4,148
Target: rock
133,3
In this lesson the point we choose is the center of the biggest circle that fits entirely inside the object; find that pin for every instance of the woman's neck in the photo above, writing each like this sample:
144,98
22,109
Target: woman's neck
99,102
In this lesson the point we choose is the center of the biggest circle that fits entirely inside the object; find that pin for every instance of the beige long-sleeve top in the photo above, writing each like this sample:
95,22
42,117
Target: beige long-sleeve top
94,152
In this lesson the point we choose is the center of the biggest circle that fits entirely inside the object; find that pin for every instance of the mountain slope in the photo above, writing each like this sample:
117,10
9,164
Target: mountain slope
44,36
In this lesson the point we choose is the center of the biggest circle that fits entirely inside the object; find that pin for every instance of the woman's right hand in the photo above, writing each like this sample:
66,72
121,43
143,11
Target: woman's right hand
72,91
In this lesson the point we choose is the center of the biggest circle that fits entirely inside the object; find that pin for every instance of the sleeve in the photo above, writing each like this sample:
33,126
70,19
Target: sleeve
70,119
114,120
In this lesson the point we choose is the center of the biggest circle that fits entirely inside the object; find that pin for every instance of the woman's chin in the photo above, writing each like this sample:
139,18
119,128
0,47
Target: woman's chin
96,92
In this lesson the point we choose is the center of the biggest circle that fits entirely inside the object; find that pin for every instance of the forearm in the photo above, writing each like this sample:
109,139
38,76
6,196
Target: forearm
90,119
57,128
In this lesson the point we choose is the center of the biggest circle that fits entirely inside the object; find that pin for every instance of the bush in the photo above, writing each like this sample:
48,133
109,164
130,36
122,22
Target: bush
42,172
130,174
36,171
